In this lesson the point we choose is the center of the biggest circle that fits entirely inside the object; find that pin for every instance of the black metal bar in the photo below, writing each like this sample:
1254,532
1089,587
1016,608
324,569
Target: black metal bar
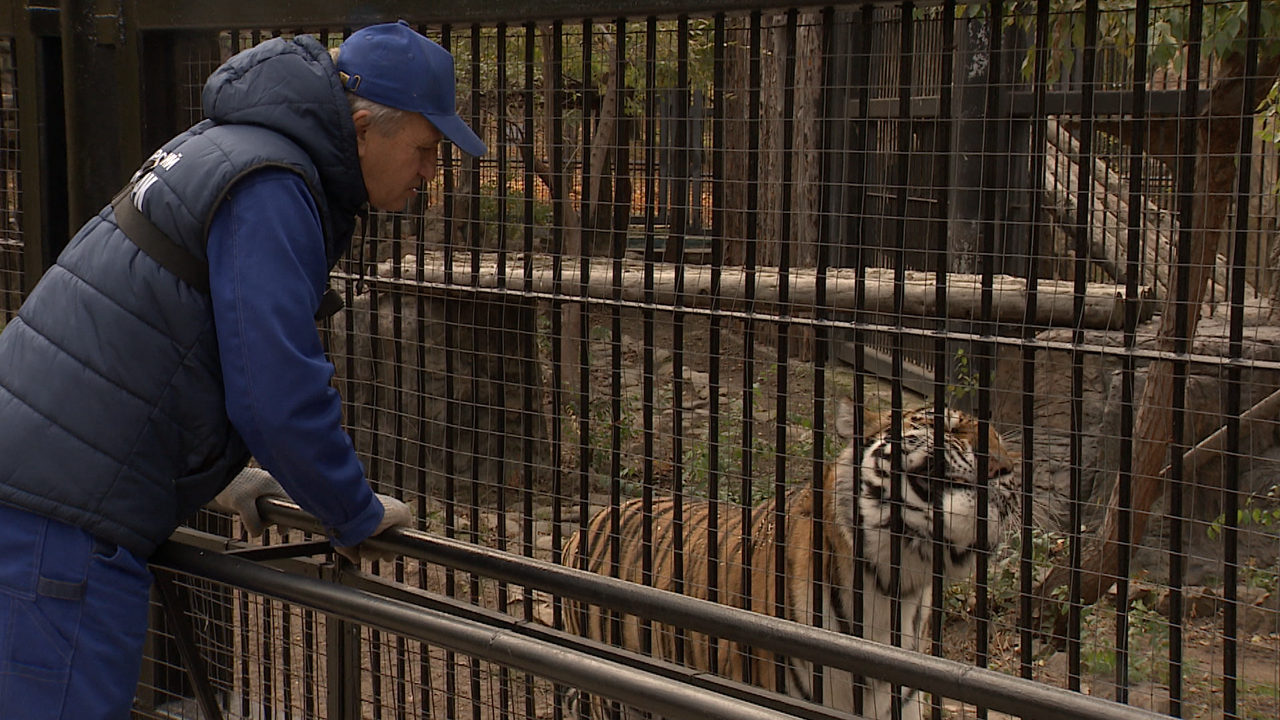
1181,368
821,339
178,15
529,369
1041,102
780,414
1037,167
749,329
634,687
856,255
622,219
994,182
712,578
951,679
942,363
675,250
897,259
342,643
265,553
310,568
1124,478
1082,232
103,129
451,347
463,610
652,166
1231,460
590,210
553,62
474,354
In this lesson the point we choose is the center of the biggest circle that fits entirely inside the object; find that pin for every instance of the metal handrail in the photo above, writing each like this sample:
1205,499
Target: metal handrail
946,678
628,685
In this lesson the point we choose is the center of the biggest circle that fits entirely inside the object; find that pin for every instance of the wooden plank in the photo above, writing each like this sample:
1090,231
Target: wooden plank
692,286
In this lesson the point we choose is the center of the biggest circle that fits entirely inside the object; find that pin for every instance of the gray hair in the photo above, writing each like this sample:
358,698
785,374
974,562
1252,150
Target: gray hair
382,118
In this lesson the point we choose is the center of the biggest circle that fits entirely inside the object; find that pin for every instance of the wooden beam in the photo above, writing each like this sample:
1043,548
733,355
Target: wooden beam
692,286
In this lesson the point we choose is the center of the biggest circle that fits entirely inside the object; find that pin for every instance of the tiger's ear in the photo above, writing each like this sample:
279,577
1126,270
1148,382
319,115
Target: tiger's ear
846,418
873,421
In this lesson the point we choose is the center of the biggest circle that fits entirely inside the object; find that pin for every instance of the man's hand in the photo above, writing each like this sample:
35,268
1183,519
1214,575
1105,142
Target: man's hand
394,514
241,497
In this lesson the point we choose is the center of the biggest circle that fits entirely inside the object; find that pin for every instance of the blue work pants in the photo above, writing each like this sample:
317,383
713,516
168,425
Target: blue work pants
73,619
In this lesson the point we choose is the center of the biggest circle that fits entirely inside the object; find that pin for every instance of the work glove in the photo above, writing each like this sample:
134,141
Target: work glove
394,514
240,497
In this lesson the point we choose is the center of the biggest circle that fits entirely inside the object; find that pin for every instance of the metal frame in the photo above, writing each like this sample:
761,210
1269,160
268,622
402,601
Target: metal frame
980,686
600,677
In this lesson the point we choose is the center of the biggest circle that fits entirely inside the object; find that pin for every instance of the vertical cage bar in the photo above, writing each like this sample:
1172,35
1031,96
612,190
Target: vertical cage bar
1038,162
748,329
861,74
1181,367
784,328
675,254
652,210
715,360
1083,230
1231,666
822,333
995,136
940,240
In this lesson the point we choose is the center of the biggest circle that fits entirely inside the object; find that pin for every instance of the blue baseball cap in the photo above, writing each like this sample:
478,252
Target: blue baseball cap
391,64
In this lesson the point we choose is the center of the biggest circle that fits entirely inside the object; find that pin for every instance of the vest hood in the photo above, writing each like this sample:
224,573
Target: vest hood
292,87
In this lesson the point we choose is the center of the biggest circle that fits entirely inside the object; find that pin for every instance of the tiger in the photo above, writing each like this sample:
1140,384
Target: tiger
857,522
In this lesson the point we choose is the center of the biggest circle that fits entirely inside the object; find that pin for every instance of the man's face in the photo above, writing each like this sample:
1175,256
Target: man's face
396,162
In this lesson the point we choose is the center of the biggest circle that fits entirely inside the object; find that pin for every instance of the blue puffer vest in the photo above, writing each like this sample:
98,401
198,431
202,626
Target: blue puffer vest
112,411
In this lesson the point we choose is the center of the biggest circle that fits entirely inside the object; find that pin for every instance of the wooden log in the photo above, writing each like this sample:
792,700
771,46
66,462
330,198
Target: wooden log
761,290
1109,210
1215,445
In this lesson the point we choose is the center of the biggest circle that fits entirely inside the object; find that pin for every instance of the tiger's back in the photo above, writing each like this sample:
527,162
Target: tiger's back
723,553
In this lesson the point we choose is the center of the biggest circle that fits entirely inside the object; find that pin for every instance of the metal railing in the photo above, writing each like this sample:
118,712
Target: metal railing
371,601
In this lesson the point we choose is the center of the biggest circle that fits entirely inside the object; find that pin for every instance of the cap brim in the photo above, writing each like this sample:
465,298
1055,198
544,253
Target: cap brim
458,133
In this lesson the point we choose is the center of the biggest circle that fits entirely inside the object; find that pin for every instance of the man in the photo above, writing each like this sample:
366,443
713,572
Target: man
176,336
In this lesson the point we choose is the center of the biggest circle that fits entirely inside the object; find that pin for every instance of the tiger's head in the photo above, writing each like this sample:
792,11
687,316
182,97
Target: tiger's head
924,482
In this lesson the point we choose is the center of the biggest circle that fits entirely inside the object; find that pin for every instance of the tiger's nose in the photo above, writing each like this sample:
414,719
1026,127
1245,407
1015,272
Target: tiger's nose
999,466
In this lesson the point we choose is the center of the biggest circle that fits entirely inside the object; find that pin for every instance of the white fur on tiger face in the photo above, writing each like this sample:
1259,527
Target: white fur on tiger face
922,491
954,490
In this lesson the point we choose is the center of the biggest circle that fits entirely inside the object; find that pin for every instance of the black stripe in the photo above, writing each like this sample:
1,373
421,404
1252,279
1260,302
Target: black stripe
152,241
796,684
60,590
836,603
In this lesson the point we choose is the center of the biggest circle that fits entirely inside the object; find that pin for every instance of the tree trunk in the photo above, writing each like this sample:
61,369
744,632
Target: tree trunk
597,210
1217,141
739,158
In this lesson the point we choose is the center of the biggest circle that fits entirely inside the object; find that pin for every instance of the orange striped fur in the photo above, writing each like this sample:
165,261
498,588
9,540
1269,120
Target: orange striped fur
855,517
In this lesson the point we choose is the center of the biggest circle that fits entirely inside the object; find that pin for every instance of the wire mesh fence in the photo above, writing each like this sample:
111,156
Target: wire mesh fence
628,330
11,245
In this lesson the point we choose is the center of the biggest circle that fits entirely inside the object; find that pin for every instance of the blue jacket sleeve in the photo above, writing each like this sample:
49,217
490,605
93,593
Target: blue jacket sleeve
267,273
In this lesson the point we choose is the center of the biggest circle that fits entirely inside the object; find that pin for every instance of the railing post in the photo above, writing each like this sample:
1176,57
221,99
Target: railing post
99,50
343,669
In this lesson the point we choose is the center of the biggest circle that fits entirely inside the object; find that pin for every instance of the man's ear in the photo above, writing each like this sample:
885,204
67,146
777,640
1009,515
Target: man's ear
363,121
